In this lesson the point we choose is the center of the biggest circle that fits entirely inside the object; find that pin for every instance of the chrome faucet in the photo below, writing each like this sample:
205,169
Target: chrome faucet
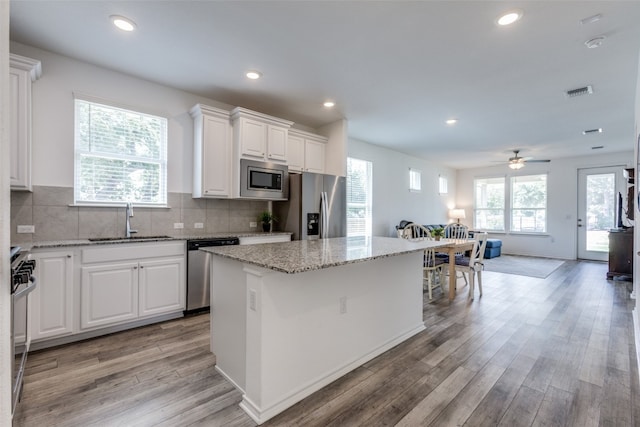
129,214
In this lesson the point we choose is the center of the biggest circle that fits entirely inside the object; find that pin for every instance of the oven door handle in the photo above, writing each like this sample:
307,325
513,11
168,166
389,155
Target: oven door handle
27,290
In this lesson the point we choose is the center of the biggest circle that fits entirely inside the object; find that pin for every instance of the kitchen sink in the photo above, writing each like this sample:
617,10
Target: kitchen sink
127,239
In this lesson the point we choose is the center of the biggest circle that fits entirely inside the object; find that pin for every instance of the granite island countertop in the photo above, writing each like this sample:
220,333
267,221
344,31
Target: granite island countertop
305,255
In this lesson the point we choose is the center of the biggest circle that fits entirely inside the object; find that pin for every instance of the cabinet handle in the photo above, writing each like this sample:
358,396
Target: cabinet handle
142,266
135,268
68,256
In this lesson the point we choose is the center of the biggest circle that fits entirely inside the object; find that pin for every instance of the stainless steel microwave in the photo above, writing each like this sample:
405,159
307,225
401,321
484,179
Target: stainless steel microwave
261,180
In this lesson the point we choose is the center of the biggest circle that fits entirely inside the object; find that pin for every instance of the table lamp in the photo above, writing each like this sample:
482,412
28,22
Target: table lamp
457,214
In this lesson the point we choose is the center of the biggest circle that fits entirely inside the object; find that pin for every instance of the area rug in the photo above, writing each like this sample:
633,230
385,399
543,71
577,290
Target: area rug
523,265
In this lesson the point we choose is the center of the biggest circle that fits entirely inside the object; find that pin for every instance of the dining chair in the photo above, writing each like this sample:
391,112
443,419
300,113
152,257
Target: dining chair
456,231
472,265
432,266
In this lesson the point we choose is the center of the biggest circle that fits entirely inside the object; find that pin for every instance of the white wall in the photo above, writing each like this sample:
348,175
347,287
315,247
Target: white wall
53,118
562,202
392,200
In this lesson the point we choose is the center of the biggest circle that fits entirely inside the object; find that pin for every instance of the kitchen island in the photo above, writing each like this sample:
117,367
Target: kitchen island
289,318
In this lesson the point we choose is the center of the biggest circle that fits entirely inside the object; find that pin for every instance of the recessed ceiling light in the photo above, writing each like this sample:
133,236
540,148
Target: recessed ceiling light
594,42
254,75
125,24
509,17
451,121
329,104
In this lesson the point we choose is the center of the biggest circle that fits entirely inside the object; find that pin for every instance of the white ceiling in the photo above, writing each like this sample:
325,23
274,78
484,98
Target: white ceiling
396,69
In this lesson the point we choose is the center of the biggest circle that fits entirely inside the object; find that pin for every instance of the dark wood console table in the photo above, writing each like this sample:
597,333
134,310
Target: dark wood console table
621,254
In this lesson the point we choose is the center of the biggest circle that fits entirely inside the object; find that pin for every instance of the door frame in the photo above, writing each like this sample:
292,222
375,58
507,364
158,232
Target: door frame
582,173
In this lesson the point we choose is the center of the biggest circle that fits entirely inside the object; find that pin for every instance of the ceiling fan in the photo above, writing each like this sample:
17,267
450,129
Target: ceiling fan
517,162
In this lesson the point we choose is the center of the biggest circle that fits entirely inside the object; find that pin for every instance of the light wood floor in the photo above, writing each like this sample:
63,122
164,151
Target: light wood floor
530,352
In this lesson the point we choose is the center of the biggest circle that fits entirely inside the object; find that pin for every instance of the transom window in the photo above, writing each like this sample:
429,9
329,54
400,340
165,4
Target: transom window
120,155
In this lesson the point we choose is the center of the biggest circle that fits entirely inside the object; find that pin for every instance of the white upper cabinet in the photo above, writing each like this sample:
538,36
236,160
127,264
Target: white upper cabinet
306,152
211,152
23,71
258,136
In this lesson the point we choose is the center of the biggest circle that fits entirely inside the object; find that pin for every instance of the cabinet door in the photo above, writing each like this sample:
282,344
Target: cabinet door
253,138
109,294
314,156
51,303
295,153
216,157
20,129
162,286
277,144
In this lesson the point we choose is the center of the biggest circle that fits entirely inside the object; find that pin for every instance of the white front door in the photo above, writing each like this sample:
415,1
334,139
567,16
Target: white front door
597,200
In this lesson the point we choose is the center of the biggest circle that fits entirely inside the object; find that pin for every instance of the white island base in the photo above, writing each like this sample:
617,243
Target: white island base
280,337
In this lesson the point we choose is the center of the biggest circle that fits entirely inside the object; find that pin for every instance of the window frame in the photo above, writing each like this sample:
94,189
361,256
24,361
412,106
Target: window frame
512,208
503,209
415,177
368,203
161,161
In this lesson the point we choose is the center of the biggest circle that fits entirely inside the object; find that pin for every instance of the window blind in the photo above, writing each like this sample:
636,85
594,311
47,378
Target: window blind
120,155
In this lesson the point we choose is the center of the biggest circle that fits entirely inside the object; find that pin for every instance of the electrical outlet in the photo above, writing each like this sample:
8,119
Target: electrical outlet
198,225
252,299
26,229
343,305
253,224
178,225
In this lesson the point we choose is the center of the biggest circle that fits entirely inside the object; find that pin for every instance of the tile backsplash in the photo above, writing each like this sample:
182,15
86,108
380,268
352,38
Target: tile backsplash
49,210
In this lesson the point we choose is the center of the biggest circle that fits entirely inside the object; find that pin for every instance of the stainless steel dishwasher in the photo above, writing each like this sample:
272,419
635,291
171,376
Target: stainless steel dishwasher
198,286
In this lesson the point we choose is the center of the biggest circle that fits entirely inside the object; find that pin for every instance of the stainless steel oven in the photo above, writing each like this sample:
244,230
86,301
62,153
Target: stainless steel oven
23,282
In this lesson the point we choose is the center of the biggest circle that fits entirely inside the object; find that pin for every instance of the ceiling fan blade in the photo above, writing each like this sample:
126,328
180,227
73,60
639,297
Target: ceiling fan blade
537,161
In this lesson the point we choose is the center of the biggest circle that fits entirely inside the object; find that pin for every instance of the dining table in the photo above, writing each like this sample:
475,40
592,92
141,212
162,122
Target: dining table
455,246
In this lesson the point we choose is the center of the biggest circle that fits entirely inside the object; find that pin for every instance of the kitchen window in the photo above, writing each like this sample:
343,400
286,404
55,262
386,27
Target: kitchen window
359,205
120,155
415,180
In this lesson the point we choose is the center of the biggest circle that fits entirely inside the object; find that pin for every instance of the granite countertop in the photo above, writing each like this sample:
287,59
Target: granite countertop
305,255
138,239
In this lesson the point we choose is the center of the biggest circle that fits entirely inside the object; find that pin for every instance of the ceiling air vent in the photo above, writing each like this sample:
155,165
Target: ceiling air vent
587,90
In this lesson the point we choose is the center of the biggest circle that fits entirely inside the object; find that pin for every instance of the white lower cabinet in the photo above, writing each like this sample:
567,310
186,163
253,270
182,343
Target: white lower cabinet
51,303
121,283
109,294
161,286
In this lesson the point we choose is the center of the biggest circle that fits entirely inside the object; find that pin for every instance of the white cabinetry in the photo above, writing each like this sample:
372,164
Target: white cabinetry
51,303
306,151
211,152
258,136
162,286
268,238
22,72
109,294
126,282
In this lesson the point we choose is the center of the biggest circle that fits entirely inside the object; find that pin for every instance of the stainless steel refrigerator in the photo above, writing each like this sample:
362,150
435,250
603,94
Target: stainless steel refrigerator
317,207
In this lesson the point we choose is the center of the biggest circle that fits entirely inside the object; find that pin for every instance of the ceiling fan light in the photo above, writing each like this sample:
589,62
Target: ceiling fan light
516,165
